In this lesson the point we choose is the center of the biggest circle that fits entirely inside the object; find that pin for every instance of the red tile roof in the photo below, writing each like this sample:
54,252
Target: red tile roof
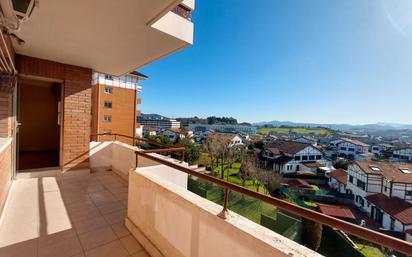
340,175
312,164
409,231
355,142
336,211
396,207
298,183
391,171
287,147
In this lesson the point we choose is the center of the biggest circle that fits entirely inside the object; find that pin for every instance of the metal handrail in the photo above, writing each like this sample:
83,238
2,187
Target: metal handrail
131,137
361,232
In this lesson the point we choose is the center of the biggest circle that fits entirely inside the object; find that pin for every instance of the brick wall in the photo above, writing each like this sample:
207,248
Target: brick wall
122,112
76,105
6,114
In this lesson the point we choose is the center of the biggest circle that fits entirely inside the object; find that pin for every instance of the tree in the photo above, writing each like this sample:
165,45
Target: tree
211,146
247,168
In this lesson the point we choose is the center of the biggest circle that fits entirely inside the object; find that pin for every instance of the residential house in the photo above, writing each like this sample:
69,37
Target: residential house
337,180
306,140
231,138
350,149
175,133
372,183
270,139
381,149
292,157
402,154
148,131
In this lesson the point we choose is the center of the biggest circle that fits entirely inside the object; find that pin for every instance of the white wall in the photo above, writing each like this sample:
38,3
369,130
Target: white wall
180,223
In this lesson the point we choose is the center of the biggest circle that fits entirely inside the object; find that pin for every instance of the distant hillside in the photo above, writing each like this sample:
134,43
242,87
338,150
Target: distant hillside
376,126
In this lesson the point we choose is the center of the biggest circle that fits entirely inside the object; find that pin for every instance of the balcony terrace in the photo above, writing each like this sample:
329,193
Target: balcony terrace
135,202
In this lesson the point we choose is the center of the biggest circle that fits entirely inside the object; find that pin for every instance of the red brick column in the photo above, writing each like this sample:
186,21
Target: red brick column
76,120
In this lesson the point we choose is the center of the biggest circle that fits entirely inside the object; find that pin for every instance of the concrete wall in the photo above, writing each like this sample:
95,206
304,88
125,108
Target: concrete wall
171,221
121,158
5,170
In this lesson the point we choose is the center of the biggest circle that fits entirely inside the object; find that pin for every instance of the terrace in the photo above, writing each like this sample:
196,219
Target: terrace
135,202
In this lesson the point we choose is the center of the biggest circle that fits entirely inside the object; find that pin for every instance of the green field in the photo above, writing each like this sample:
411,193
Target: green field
319,131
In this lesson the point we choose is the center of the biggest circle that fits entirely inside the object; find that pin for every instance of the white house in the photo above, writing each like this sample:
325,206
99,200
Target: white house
381,148
232,138
337,180
306,140
403,154
292,157
148,131
270,139
376,186
175,133
351,149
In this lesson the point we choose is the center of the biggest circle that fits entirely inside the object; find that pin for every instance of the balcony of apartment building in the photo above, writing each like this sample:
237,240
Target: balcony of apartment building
134,201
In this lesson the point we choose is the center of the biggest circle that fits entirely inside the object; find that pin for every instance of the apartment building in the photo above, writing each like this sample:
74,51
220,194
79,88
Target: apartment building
115,103
384,191
288,157
225,128
159,123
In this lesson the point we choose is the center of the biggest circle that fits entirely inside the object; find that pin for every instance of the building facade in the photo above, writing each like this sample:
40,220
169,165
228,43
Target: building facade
404,154
159,123
292,157
226,128
350,149
376,186
114,104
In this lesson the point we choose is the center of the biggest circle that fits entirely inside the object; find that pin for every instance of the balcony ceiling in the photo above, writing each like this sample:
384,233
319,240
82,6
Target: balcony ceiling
108,36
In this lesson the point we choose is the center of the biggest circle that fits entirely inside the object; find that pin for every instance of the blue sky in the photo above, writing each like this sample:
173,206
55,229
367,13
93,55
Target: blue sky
347,61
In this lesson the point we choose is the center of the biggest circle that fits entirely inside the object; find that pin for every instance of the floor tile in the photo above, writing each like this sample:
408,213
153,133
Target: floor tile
120,230
97,237
113,249
131,244
115,217
62,244
89,224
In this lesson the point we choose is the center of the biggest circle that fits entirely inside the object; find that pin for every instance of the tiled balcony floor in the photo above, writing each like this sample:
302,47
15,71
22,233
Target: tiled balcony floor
64,216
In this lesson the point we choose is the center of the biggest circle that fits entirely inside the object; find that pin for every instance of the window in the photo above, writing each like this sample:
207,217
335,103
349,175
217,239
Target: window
311,157
408,193
405,170
304,158
361,184
392,223
109,77
385,189
350,178
375,168
318,157
108,105
343,148
108,90
351,149
107,118
297,158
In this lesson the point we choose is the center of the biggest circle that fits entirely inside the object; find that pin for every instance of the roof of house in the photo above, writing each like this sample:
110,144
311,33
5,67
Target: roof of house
396,207
336,211
298,183
287,147
340,175
390,170
312,164
223,136
354,141
283,159
148,128
409,231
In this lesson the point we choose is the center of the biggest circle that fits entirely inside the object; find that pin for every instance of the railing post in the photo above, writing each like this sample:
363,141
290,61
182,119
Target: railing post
115,137
183,156
137,160
223,214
